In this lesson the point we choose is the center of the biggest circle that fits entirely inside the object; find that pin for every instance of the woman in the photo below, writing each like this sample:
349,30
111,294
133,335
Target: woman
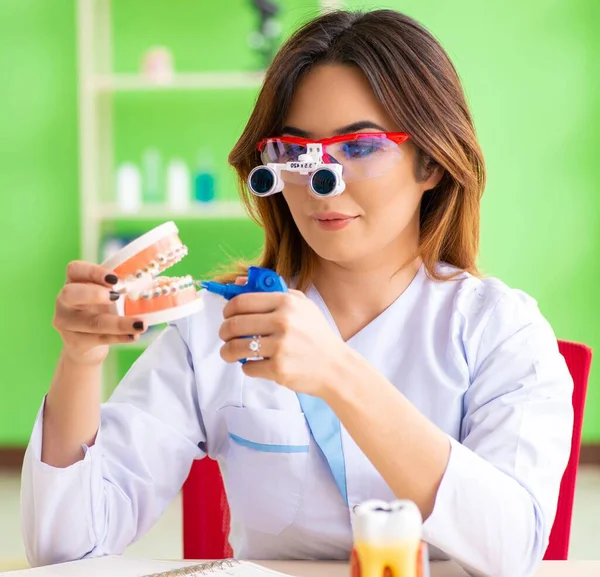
392,371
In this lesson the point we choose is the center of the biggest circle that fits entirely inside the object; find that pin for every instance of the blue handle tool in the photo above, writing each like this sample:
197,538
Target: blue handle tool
259,280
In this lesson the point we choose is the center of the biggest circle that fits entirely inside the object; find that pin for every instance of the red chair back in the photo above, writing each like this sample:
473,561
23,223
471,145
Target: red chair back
579,360
206,512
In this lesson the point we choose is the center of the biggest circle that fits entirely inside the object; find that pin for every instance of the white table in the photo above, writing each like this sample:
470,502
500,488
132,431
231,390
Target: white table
341,569
438,569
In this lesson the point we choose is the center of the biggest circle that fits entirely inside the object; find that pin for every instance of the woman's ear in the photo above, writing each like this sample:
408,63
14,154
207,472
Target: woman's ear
428,172
434,179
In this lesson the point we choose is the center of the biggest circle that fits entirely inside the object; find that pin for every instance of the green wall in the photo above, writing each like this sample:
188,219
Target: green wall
529,76
533,84
38,188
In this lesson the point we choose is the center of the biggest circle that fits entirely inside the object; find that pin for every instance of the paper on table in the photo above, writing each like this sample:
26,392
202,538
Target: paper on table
116,566
112,565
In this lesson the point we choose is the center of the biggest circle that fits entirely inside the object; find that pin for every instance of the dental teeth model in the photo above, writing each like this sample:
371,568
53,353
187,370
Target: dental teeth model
387,540
147,296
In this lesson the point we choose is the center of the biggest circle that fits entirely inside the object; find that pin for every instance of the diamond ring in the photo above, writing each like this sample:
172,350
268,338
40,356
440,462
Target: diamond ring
254,345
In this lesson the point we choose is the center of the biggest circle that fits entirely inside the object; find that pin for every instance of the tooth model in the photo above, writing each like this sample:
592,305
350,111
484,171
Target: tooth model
387,540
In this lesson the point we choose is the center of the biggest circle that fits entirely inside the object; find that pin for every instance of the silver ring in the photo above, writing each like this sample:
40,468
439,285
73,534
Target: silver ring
254,345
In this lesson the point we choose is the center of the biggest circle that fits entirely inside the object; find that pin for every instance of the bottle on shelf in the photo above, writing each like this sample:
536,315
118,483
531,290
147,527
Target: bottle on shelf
178,185
129,188
204,179
152,170
157,65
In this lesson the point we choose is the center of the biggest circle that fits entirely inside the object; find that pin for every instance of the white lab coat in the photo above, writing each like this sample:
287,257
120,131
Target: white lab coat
474,356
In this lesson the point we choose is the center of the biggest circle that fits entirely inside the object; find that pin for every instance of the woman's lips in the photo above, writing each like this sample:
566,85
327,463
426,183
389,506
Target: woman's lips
332,221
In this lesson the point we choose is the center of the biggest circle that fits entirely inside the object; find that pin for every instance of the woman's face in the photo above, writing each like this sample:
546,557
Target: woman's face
376,218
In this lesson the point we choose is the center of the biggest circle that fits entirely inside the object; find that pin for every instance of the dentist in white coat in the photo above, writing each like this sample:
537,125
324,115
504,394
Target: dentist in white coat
394,370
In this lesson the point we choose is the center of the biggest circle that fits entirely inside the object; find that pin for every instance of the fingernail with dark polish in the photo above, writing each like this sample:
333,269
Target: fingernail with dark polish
111,279
114,296
138,325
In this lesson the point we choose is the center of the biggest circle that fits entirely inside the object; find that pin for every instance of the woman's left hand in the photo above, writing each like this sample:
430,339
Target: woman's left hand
299,348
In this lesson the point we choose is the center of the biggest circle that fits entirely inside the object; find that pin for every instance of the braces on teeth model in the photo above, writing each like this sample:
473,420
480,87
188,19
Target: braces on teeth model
146,295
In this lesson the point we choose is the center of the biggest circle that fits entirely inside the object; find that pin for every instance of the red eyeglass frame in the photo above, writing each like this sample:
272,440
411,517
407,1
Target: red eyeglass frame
397,137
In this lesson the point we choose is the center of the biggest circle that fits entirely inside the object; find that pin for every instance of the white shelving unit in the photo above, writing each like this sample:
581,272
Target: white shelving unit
214,210
97,83
182,81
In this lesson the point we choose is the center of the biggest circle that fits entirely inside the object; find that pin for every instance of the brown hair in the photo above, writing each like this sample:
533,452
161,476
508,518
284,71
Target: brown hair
416,83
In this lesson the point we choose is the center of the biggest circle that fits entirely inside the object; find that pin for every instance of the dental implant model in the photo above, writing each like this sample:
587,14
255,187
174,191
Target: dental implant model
387,540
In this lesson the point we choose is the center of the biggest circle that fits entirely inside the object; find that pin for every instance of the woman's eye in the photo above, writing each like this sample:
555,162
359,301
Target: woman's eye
360,149
292,152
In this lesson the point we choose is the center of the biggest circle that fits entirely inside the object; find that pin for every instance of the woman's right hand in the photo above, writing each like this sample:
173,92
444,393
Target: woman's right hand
83,318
